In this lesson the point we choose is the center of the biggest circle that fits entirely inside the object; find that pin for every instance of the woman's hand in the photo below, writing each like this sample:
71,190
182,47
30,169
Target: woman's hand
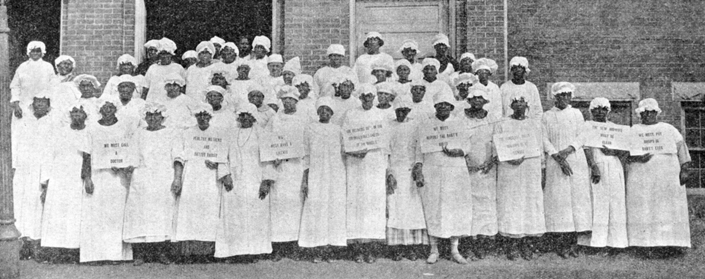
16,108
357,154
227,183
391,183
595,174
264,188
211,165
489,164
417,175
565,168
609,152
88,184
43,195
456,152
641,159
176,186
277,162
304,185
516,162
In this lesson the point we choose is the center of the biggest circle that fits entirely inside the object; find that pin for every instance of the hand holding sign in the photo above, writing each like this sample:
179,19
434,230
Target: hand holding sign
281,145
362,136
445,137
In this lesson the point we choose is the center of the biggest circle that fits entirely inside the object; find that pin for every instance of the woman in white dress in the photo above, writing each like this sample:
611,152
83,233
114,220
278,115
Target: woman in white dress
126,65
105,194
259,59
324,190
363,63
149,211
334,71
609,210
61,221
484,68
153,90
657,208
244,228
446,190
198,77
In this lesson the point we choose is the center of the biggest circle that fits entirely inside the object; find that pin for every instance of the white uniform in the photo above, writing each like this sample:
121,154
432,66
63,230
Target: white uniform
179,112
323,216
363,66
436,87
111,87
657,207
494,107
198,78
258,68
341,107
483,186
328,75
154,80
510,89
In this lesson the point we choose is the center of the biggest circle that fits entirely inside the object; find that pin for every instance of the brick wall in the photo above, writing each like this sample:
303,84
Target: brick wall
96,33
484,31
310,26
650,42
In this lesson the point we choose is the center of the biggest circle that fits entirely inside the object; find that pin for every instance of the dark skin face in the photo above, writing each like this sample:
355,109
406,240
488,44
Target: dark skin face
304,89
562,100
518,74
256,98
373,45
41,106
259,52
127,69
649,117
203,120
219,80
172,90
324,114
154,120
430,73
403,72
243,72
275,107
243,44
409,54
463,89
599,114
519,107
275,69
381,75
35,54
367,100
346,89
228,55
78,117
152,53
466,65
125,90
288,77
417,93
204,57
402,113
443,110
217,49
289,105
87,89
246,120
108,110
190,61
65,67
336,60
165,58
215,99
441,49
483,75
384,98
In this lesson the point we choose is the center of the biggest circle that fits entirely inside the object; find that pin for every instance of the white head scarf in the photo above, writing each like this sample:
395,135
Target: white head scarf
520,61
562,87
288,91
485,64
217,40
247,108
63,58
152,44
325,101
36,44
431,61
648,104
366,89
174,78
153,107
465,78
275,58
476,91
402,62
126,58
386,87
441,38
166,44
467,55
373,34
189,54
403,101
84,77
443,98
293,65
232,46
409,44
335,49
600,102
205,45
262,41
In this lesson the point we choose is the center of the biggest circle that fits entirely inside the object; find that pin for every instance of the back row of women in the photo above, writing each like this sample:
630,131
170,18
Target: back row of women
191,179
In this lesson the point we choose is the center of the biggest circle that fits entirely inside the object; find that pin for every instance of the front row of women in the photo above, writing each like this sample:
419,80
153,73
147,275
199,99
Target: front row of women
173,200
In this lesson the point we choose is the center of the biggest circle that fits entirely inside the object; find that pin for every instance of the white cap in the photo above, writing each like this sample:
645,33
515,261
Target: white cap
36,44
126,58
485,64
335,49
217,40
201,108
293,65
562,87
262,41
441,97
174,78
153,107
232,46
189,54
465,78
402,62
152,44
403,101
519,61
373,34
380,65
128,78
325,101
247,108
467,55
477,91
600,102
409,44
275,58
366,89
386,87
165,44
85,77
288,91
205,45
431,61
63,58
648,104
301,78
441,39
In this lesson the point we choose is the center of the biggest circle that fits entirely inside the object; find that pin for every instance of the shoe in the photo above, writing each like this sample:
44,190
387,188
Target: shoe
432,258
138,262
459,258
359,258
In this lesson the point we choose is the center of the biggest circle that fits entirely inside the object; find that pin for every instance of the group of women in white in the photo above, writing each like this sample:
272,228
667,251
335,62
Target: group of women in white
169,199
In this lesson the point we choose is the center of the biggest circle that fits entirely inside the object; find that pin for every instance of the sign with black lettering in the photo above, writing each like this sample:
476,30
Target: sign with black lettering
282,144
450,134
653,141
117,152
611,135
359,137
206,146
515,145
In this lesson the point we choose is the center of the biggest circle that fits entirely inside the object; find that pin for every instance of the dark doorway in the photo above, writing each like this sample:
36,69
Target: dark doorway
188,22
33,20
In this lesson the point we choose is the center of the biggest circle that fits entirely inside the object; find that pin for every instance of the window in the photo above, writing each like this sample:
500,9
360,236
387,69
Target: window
693,131
621,111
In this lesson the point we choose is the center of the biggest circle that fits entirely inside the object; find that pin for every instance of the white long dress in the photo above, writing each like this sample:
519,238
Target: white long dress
149,212
179,112
258,68
566,199
328,75
32,167
154,80
285,197
132,113
198,79
446,195
363,66
323,216
405,210
198,206
436,87
104,210
519,195
61,222
494,107
483,186
244,227
341,107
529,89
366,180
609,209
657,207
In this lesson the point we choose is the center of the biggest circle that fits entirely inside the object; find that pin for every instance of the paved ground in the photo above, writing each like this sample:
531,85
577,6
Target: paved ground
625,265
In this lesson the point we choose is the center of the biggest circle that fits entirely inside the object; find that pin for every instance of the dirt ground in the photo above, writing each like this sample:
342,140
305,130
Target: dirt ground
549,265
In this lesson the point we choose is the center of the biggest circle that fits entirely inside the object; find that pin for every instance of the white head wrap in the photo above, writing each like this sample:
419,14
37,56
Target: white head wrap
386,87
325,101
232,46
467,55
152,44
477,91
335,49
409,44
275,58
107,99
215,88
63,58
431,61
366,89
203,107
380,65
262,41
36,44
373,34
255,87
402,62
300,79
84,77
600,102
247,108
126,58
217,40
520,61
465,78
128,78
648,104
420,82
518,95
562,87
403,101
165,44
174,78
153,107
441,38
288,91
485,64
189,54
293,65
205,45
44,94
443,98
